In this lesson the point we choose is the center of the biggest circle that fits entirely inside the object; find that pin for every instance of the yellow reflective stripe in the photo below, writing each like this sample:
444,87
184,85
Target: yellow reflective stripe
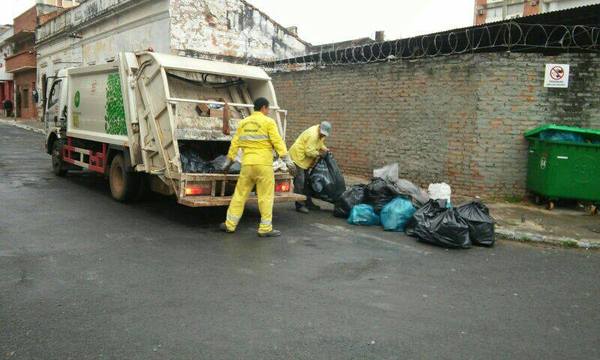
254,137
266,222
234,219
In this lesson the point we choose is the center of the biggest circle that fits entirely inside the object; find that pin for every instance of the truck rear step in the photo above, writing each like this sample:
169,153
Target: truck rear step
206,201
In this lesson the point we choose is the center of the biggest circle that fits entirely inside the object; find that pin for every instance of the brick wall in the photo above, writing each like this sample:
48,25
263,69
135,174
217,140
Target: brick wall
458,119
25,84
27,21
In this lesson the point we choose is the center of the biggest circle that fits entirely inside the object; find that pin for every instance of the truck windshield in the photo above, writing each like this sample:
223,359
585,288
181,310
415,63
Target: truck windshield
54,93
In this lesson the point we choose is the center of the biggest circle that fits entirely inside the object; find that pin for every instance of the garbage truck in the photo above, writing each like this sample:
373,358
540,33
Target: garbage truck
132,120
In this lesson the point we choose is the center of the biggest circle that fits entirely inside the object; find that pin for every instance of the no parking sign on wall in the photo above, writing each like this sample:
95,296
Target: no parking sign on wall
557,76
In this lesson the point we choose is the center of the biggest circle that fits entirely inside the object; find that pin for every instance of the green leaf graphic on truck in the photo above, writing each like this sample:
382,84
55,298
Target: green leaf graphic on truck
115,111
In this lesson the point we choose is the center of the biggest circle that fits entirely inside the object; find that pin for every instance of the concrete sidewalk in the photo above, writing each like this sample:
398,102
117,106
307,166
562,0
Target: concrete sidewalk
564,226
32,125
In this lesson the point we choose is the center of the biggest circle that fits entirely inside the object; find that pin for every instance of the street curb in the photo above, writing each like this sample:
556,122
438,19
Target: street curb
566,242
22,126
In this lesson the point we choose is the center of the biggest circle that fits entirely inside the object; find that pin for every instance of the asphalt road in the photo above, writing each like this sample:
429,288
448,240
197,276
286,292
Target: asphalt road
84,277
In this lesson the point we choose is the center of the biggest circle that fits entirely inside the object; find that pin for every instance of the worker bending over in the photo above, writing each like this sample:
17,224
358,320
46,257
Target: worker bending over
305,152
257,136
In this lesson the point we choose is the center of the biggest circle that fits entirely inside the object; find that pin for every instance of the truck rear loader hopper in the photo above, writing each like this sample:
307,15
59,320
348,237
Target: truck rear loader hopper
131,119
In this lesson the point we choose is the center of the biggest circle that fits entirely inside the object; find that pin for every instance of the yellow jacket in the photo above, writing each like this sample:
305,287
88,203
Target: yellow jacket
257,136
305,150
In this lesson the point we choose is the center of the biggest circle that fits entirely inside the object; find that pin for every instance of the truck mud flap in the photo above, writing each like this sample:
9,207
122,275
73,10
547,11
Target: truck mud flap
207,201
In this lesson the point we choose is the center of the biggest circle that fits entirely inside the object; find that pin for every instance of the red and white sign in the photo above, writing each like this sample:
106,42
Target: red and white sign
557,76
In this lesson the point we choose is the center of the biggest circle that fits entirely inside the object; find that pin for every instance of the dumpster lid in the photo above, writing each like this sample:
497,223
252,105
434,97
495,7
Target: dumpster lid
573,129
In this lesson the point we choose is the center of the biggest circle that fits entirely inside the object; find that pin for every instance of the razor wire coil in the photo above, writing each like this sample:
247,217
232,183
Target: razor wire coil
509,36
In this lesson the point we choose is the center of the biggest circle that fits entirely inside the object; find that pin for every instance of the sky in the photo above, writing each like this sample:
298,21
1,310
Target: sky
324,21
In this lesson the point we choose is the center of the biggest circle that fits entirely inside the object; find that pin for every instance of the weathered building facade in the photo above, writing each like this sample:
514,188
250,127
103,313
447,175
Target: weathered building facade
487,11
22,63
97,30
6,78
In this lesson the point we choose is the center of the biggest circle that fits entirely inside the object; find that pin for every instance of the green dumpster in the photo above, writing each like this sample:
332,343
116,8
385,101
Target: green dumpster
564,163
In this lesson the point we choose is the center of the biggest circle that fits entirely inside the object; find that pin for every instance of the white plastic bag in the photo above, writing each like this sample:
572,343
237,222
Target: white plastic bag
389,172
279,165
440,191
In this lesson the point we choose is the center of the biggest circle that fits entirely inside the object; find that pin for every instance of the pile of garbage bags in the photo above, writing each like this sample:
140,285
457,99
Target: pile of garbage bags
380,202
193,163
378,193
458,228
399,205
326,179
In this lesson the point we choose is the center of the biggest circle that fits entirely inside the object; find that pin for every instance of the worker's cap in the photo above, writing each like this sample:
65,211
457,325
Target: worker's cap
325,128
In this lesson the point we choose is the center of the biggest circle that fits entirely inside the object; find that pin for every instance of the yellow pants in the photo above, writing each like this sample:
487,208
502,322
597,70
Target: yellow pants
262,176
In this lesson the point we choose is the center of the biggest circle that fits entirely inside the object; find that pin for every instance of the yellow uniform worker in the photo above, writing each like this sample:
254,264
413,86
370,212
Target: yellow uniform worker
257,136
304,152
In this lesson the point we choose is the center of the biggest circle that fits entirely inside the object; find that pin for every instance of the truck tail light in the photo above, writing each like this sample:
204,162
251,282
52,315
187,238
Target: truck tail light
197,189
283,186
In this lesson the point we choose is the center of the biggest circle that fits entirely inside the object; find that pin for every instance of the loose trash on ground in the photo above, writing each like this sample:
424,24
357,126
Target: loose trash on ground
364,215
396,214
481,224
438,225
355,195
326,179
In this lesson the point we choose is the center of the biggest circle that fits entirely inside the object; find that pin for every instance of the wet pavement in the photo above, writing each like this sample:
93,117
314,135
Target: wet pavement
84,277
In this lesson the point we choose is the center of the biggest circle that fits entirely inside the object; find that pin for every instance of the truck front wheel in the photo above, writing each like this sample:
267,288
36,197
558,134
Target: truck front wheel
123,184
59,168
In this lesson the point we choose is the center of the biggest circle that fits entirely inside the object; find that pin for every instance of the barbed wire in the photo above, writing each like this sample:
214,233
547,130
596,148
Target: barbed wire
507,36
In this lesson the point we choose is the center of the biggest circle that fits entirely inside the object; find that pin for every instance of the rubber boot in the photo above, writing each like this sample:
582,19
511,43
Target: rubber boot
272,233
312,206
224,229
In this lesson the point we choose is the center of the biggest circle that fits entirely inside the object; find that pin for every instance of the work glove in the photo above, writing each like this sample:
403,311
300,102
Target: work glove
227,165
290,165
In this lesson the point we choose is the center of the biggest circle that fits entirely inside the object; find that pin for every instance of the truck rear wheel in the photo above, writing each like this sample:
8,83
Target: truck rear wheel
59,167
123,184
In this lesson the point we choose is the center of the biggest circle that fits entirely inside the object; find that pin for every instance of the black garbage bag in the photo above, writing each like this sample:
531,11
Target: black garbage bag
349,199
481,224
218,165
191,162
380,192
435,224
326,180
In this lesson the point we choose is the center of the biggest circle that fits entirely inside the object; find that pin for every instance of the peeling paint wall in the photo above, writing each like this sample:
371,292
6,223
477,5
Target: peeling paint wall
73,40
230,28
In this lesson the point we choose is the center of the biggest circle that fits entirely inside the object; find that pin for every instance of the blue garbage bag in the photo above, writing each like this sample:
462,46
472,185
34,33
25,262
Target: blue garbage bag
563,136
396,214
363,214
